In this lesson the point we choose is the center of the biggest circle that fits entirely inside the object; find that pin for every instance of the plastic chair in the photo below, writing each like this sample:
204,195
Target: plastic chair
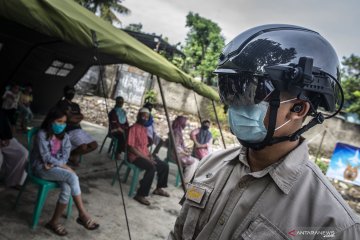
130,166
111,143
44,186
169,159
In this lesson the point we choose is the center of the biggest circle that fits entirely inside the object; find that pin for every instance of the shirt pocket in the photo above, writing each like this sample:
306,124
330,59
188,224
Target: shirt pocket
262,229
195,209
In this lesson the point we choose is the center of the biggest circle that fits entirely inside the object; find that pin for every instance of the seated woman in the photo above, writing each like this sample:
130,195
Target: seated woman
118,124
49,157
189,163
202,138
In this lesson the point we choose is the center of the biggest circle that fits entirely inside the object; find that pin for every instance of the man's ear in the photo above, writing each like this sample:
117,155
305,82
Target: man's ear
299,110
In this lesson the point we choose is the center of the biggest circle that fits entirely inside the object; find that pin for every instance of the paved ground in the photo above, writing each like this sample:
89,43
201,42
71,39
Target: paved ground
101,199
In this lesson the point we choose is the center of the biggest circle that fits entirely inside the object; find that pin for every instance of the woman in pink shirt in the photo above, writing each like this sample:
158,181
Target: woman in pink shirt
189,163
202,140
49,161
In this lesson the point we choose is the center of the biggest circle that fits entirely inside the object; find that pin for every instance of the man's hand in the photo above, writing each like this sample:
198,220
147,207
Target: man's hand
151,160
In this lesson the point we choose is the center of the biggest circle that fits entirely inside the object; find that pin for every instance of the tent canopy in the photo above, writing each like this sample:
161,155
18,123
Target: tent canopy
59,37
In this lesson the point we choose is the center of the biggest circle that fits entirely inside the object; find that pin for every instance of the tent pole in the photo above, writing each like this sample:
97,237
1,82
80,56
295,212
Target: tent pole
172,139
217,121
197,107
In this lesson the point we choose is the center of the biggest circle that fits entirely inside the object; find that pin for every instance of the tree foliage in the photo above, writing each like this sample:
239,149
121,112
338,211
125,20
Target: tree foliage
203,46
105,8
135,27
351,83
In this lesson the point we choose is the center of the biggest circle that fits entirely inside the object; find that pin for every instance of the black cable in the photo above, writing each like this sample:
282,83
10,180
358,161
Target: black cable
96,58
342,95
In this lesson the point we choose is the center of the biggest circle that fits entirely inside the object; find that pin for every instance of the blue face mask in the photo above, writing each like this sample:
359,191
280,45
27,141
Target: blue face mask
247,122
58,127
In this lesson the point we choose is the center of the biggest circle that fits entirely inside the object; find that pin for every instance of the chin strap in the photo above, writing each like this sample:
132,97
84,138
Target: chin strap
274,106
318,119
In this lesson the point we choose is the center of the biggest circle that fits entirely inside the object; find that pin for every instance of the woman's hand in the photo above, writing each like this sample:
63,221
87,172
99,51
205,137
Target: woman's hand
48,166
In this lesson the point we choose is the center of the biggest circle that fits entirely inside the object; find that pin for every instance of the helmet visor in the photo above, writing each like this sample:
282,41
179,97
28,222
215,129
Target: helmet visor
244,89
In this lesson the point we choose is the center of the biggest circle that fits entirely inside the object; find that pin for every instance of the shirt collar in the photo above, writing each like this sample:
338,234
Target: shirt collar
284,172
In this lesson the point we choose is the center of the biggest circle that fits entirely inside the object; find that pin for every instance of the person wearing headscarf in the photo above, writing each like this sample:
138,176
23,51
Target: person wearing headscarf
118,123
189,163
202,140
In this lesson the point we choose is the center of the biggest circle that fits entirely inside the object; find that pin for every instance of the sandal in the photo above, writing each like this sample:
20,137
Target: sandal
161,192
90,224
58,229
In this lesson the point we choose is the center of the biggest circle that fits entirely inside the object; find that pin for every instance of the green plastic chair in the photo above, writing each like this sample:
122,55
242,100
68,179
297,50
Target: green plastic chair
130,166
44,186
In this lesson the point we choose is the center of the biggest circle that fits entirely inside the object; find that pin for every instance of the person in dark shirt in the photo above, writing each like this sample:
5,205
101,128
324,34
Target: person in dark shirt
81,141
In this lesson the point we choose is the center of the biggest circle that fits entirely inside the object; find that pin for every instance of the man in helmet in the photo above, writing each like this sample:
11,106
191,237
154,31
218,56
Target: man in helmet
272,77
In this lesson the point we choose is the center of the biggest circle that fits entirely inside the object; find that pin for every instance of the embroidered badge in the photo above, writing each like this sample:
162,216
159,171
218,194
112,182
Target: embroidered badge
195,193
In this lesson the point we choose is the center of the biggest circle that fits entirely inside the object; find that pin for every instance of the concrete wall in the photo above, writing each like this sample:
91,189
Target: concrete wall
178,97
335,130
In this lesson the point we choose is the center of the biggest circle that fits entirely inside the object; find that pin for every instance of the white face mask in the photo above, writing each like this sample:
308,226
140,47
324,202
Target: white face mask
247,122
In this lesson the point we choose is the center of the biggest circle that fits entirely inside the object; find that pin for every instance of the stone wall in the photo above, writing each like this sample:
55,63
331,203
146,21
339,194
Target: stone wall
334,130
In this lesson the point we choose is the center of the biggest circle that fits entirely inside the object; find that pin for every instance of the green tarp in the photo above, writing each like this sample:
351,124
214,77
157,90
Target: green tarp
68,21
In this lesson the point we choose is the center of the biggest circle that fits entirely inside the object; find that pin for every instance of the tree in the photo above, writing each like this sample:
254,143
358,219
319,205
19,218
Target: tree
105,8
203,46
351,83
135,27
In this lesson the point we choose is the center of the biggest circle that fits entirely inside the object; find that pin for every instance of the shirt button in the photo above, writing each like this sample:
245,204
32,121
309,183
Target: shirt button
209,175
221,221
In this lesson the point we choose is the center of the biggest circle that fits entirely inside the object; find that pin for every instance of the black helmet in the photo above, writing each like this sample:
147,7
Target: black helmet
263,61
294,59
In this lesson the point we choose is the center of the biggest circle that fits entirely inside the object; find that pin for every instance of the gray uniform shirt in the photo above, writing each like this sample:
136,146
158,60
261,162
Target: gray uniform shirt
290,199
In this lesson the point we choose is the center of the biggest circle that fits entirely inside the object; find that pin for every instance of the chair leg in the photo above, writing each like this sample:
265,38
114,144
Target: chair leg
20,193
134,182
102,145
117,173
111,145
126,174
42,194
69,208
177,181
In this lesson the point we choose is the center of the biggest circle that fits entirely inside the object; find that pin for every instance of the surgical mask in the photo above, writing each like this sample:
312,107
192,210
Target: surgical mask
247,122
58,127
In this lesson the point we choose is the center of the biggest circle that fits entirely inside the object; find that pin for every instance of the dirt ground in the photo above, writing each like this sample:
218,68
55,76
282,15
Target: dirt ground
102,200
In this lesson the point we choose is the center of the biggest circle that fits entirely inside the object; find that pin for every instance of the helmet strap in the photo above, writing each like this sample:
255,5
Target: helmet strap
274,104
